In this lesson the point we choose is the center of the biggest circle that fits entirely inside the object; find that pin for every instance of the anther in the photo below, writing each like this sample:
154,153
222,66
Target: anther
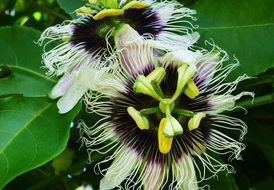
185,73
143,85
164,142
194,122
157,75
191,90
140,120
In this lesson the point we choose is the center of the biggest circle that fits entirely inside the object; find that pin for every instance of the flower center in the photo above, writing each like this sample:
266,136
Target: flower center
169,126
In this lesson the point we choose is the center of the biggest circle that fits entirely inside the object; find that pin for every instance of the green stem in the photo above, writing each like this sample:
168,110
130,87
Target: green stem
183,112
258,101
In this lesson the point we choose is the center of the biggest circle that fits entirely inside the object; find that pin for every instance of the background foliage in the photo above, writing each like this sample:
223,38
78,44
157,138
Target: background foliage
39,148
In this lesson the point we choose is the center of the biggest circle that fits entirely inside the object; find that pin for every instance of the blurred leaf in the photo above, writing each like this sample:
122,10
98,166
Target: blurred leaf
31,133
224,181
266,184
261,133
243,28
71,5
63,161
20,55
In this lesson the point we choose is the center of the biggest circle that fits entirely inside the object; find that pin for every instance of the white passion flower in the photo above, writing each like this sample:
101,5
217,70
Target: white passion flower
162,124
90,37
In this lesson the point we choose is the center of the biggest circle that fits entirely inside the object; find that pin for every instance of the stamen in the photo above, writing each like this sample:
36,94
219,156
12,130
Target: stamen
140,120
135,5
108,12
142,85
157,75
194,122
164,142
185,73
191,89
113,10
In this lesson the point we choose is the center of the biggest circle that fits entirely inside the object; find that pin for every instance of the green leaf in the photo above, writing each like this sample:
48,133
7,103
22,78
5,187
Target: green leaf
20,63
261,132
31,133
243,28
70,6
224,181
267,183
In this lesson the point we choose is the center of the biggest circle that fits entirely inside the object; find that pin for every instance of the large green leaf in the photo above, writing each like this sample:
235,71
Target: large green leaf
243,28
71,5
31,132
267,183
20,63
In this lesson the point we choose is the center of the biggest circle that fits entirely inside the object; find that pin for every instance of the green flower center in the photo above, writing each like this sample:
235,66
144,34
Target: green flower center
169,125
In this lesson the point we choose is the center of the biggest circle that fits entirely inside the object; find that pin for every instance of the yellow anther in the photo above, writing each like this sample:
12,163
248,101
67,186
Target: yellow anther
84,10
140,120
108,12
135,5
194,122
157,75
164,142
191,89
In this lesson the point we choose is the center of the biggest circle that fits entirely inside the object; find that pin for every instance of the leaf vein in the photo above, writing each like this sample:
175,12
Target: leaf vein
236,27
26,125
31,71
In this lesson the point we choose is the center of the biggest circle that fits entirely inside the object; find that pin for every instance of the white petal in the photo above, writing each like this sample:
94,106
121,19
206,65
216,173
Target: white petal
154,176
164,10
121,167
182,57
125,35
71,98
185,175
80,84
61,87
136,53
206,69
221,103
174,41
